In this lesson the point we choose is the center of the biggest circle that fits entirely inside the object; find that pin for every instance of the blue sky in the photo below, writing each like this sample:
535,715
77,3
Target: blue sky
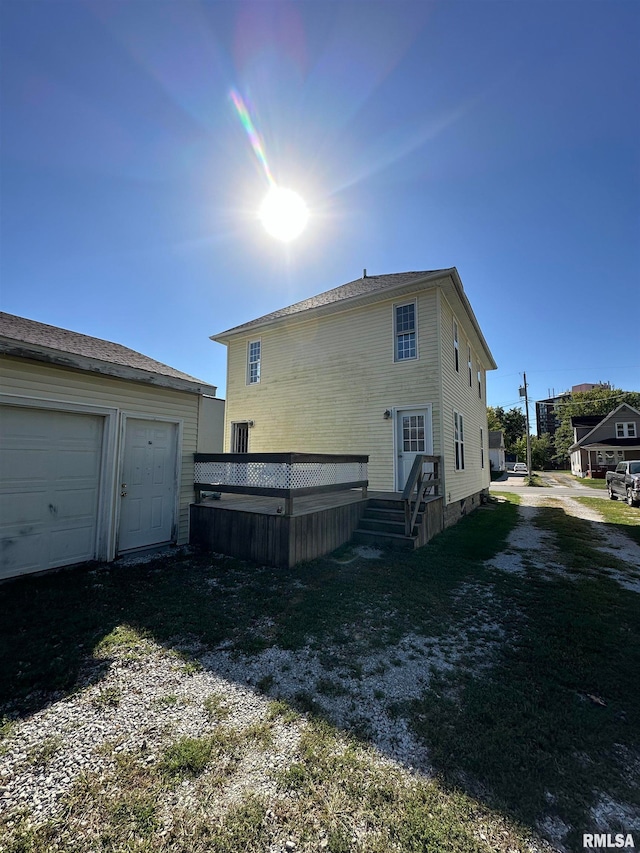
499,137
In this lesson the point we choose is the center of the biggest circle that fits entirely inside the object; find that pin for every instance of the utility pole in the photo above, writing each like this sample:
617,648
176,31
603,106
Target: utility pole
523,393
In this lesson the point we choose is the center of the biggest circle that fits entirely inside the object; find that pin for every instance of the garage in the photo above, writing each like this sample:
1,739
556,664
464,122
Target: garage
50,464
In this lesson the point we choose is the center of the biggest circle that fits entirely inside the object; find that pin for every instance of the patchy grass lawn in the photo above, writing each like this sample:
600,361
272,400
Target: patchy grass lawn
593,483
510,699
618,514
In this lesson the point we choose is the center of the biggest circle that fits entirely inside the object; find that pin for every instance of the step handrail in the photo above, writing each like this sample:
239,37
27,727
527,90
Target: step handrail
418,483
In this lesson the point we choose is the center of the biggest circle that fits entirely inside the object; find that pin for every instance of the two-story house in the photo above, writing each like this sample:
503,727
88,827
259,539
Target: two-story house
387,365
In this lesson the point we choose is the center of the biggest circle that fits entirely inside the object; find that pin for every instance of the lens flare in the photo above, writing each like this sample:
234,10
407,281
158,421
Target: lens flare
284,214
252,133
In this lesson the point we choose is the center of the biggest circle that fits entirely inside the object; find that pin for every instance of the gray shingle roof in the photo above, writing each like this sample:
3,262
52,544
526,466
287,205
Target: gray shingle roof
30,332
496,439
359,287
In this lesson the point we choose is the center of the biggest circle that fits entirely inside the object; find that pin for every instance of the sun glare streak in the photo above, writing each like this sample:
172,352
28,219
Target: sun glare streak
252,133
283,212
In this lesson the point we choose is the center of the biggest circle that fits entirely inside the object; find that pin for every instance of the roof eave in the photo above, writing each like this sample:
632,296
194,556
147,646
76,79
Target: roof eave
49,355
330,307
364,298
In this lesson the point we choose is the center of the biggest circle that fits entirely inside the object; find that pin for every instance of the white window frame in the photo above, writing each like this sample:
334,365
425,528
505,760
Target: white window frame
469,365
456,347
397,334
251,363
626,429
481,447
458,441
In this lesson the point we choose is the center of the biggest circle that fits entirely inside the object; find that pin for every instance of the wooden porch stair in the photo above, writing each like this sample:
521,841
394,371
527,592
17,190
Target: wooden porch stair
383,523
408,520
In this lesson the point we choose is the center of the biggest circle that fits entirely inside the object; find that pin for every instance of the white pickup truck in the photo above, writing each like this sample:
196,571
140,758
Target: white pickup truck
624,482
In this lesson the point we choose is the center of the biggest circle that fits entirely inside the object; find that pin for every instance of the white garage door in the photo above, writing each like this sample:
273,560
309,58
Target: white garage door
49,488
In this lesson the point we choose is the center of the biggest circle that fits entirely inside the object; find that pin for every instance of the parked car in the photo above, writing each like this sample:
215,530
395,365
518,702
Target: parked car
520,468
624,482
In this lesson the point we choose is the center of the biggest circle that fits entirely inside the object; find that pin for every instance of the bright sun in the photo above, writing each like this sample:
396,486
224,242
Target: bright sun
284,214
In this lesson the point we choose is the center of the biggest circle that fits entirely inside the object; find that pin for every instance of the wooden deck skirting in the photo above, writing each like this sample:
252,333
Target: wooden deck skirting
251,528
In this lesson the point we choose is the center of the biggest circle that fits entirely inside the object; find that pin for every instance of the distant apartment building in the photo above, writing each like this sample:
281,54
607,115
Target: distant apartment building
546,418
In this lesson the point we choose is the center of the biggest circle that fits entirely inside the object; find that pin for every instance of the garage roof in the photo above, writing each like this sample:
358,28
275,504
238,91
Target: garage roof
40,342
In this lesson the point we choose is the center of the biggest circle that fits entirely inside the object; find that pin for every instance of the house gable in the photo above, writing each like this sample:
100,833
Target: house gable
605,433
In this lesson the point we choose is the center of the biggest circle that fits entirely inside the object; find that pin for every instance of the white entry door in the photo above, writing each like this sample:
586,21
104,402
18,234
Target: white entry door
148,485
413,436
49,488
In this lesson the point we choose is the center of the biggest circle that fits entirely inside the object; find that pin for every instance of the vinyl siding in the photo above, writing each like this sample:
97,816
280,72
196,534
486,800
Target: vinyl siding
38,381
326,383
607,430
459,396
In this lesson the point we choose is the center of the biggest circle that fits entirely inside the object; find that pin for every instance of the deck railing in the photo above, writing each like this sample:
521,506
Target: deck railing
419,484
283,475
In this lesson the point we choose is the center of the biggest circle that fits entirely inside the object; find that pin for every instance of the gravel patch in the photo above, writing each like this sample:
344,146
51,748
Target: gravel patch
141,705
531,549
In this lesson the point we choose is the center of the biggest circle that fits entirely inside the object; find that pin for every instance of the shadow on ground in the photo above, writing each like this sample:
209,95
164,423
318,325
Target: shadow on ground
539,725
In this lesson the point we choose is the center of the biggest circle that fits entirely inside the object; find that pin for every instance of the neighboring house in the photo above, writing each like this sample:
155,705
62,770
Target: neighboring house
96,448
600,443
496,450
387,365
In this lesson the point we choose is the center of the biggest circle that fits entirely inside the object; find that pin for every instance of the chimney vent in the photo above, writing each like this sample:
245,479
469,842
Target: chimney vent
364,273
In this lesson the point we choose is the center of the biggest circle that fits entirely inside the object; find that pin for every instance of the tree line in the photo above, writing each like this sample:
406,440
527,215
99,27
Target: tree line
547,451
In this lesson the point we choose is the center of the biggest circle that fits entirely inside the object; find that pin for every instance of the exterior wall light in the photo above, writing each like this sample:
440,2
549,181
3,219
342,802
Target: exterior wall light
387,414
250,423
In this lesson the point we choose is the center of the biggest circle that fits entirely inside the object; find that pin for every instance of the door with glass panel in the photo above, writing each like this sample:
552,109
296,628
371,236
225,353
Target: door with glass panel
413,436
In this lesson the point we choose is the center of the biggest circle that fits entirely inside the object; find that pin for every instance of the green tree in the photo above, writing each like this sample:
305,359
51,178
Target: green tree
512,423
542,451
599,401
495,417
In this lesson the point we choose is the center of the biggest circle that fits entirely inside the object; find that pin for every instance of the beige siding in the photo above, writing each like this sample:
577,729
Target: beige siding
458,395
326,383
38,381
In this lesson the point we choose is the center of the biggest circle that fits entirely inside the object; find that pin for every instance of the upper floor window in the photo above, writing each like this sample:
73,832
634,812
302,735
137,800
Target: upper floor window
253,362
626,430
458,440
479,384
405,331
481,447
469,366
456,347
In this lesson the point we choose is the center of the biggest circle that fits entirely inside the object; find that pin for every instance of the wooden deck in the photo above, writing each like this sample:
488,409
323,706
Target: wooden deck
253,527
269,505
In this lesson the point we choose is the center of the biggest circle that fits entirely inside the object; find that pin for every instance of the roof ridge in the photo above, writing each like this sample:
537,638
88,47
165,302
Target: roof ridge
357,287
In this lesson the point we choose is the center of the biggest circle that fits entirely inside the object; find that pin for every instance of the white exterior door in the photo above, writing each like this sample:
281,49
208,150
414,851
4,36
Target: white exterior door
148,484
413,436
50,463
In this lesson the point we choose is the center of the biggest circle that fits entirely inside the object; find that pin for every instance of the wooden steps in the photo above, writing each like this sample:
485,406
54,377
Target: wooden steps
383,524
